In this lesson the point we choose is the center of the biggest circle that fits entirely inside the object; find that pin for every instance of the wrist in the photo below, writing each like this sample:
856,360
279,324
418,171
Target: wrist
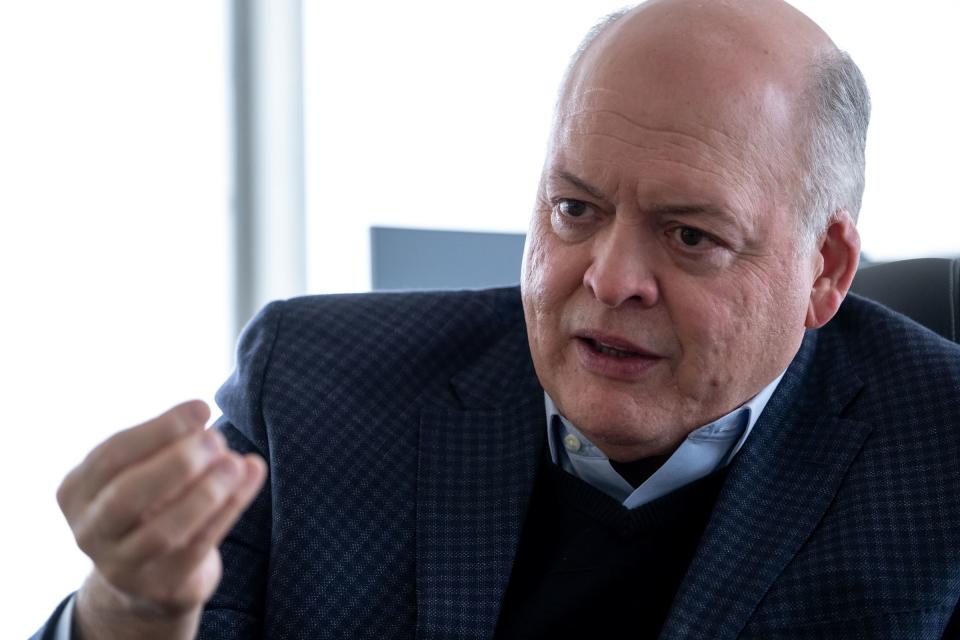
104,613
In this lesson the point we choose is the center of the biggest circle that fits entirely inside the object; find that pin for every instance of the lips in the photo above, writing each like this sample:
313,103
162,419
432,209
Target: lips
611,356
615,345
610,351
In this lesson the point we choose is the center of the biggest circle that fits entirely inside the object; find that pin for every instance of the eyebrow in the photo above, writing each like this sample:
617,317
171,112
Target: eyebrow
656,209
586,187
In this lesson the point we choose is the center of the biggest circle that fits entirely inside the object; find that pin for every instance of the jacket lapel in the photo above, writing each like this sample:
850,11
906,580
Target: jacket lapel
478,457
778,488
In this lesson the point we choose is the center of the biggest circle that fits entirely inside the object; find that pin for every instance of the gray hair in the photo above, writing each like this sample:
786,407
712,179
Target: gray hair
836,117
838,113
602,25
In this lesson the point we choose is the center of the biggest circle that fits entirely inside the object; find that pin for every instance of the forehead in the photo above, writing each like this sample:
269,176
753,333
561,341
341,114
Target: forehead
638,127
645,103
666,152
732,71
721,44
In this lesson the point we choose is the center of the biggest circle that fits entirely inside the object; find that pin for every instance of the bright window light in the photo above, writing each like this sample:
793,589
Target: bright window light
113,251
435,114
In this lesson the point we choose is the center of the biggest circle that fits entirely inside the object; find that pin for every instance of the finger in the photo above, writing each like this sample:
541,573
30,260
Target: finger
123,503
174,527
183,571
216,529
218,526
128,447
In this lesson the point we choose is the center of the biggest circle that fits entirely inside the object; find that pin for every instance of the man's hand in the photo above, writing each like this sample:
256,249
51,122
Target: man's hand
150,505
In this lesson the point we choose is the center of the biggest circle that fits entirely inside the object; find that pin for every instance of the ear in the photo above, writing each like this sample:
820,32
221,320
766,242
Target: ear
838,257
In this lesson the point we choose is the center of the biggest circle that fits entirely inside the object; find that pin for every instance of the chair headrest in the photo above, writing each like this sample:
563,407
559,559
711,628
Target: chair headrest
924,289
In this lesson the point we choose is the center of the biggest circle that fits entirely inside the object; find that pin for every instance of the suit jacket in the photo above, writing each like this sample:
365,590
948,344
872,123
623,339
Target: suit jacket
403,431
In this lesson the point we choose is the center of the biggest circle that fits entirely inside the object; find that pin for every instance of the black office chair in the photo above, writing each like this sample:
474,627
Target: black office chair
924,289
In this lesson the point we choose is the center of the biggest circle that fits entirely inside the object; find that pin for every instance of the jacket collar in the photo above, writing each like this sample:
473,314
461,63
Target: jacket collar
777,490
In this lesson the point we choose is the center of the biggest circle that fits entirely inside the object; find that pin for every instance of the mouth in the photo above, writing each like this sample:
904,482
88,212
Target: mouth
606,349
613,346
613,357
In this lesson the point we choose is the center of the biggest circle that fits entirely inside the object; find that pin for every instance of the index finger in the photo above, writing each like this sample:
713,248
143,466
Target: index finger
130,446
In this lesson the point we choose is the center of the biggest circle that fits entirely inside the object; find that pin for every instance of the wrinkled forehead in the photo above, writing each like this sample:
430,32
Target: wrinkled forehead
725,70
762,115
716,58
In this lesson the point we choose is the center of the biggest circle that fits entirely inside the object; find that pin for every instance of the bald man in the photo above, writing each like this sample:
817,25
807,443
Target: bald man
680,426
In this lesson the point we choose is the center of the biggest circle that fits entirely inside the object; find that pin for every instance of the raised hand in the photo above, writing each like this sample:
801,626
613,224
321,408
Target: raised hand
150,506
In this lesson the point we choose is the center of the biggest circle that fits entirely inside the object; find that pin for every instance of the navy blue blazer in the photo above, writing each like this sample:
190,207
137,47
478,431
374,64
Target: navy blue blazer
402,433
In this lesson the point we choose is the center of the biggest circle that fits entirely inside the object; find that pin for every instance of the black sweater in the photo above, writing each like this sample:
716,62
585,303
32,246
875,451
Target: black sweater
589,567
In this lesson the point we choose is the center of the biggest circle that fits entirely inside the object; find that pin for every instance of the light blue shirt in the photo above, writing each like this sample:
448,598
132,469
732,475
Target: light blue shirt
705,449
65,624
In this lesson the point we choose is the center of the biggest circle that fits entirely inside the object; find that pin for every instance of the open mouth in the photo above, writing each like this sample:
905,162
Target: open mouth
606,349
611,356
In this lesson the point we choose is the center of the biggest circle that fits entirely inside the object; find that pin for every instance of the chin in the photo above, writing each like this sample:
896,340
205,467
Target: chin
626,443
614,422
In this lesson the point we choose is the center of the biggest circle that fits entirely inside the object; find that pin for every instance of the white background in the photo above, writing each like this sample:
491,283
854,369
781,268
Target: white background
435,114
113,251
114,192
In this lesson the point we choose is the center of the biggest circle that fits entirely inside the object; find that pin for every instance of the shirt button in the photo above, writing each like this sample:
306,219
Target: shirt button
571,442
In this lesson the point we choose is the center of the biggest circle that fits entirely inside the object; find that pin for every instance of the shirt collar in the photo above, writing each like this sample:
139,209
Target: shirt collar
704,450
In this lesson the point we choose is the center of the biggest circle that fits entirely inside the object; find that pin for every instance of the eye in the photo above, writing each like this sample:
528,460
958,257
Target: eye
572,208
574,220
690,236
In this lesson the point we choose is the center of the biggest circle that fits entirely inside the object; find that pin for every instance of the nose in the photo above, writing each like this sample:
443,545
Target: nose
620,271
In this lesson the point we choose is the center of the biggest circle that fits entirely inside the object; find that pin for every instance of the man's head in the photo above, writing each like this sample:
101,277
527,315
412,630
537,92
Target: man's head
688,226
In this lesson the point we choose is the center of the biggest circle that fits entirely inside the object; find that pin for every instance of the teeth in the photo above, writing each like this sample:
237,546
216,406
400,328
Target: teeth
610,351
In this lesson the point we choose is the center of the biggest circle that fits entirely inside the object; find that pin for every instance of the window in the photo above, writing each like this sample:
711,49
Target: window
113,251
436,115
908,55
431,115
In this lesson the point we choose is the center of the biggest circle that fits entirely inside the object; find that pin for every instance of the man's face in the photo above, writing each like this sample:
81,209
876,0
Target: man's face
662,281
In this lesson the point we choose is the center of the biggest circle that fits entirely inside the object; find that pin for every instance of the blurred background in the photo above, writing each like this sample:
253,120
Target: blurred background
166,168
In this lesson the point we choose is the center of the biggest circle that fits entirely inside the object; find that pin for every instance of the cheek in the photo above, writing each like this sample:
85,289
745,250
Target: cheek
551,272
532,276
549,281
718,341
738,336
535,292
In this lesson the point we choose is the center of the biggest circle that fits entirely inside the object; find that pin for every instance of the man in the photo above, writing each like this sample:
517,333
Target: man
679,428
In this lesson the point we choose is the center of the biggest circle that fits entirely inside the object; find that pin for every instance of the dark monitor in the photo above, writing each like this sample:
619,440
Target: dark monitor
431,259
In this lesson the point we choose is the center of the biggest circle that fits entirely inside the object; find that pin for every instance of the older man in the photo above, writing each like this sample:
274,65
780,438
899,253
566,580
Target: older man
678,427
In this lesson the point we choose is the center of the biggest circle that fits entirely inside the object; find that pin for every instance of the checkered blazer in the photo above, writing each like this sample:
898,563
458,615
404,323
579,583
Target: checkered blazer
402,433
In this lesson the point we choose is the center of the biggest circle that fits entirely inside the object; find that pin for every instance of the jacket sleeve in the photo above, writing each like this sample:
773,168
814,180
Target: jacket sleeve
237,609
